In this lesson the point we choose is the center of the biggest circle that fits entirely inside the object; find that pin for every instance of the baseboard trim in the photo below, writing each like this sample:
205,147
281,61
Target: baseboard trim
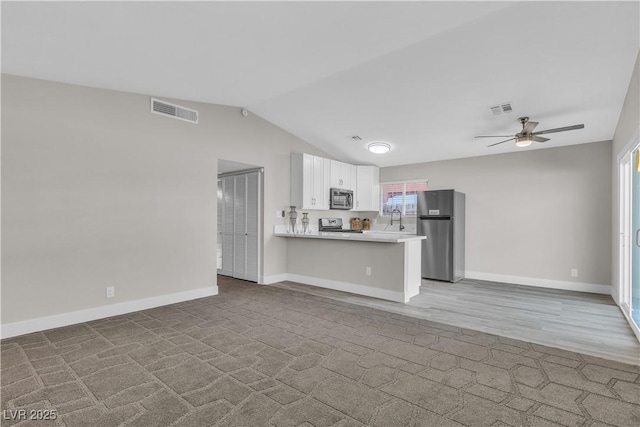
65,319
275,278
347,287
542,283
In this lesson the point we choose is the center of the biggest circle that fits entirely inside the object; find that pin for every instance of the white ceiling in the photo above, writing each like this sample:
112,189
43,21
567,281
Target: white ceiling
420,75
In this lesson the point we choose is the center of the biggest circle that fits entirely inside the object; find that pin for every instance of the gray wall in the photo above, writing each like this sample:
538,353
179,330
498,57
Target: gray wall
97,191
532,214
628,126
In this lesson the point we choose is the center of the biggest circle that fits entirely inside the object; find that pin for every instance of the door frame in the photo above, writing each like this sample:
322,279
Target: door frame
624,165
260,225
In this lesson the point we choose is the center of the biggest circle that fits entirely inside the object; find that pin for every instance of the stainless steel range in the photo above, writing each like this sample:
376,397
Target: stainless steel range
334,225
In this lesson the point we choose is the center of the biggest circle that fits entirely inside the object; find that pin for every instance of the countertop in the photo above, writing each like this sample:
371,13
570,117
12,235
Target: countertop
370,236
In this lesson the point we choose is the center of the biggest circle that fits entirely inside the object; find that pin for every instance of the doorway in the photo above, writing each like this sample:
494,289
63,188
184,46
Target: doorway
239,220
629,273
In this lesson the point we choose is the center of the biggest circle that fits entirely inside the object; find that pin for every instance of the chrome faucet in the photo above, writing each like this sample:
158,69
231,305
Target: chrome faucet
399,215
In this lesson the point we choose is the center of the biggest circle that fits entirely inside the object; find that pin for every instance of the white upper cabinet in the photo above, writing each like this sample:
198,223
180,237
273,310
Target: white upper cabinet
313,176
341,175
367,195
309,181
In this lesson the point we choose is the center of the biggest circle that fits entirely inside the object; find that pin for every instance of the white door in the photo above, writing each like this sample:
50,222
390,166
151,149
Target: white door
629,254
239,213
219,226
252,230
240,227
228,213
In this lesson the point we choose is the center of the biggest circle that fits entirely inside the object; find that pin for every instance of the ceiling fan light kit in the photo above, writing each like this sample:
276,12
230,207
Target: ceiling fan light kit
523,142
525,137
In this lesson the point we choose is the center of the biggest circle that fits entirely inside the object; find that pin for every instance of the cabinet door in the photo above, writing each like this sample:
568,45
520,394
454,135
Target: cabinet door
363,188
346,176
374,205
340,175
308,164
367,188
353,182
318,197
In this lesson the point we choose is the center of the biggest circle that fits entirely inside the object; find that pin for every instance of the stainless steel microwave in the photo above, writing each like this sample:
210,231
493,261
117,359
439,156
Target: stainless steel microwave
341,199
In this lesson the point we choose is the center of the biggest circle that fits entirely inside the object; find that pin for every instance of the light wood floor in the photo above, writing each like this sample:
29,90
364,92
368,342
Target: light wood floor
591,324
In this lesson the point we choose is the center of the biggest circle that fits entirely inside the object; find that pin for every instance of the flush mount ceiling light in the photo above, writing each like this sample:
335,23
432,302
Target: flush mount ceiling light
379,147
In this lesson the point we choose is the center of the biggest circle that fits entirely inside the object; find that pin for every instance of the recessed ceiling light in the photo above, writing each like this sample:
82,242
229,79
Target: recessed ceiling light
379,147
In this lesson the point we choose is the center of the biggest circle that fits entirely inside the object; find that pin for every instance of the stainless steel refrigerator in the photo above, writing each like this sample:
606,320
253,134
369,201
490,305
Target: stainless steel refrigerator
441,219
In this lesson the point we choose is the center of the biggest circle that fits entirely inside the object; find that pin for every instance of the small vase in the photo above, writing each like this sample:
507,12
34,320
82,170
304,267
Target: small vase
293,216
305,222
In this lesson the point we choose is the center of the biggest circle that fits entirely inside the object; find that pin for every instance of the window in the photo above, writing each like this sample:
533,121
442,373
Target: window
401,196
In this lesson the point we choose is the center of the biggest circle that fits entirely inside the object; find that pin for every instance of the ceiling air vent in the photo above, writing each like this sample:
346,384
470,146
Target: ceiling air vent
497,110
175,111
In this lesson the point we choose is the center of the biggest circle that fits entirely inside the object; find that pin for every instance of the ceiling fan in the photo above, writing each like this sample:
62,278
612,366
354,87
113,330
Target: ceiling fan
527,136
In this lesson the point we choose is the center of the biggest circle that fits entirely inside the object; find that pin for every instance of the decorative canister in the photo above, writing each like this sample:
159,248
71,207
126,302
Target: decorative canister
293,216
305,222
366,224
356,224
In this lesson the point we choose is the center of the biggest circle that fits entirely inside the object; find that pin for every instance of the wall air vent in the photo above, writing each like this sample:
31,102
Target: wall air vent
498,110
175,111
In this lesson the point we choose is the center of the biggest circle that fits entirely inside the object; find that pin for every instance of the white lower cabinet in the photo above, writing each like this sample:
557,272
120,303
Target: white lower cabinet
238,225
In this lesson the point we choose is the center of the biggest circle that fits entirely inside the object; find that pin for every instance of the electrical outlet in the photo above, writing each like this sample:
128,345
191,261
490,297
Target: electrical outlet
111,291
574,272
367,271
279,214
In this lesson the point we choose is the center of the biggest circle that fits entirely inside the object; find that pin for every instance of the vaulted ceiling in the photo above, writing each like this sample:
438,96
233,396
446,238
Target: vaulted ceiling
419,75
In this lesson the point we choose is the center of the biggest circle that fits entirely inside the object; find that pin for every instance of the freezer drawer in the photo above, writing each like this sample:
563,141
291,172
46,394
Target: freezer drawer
437,249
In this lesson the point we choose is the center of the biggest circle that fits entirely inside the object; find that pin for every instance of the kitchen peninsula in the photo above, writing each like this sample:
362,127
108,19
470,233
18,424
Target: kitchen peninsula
375,264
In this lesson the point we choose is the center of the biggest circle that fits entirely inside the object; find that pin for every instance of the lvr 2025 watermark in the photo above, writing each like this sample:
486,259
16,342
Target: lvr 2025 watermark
29,414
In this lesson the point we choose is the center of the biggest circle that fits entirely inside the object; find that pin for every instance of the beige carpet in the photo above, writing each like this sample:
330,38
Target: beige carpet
258,356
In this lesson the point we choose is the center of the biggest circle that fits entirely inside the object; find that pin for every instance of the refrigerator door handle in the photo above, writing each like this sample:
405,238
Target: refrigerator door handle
638,237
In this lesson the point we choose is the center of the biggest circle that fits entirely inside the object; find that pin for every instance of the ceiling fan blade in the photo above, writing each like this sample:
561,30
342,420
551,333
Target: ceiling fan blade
539,139
493,136
506,140
542,132
529,127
